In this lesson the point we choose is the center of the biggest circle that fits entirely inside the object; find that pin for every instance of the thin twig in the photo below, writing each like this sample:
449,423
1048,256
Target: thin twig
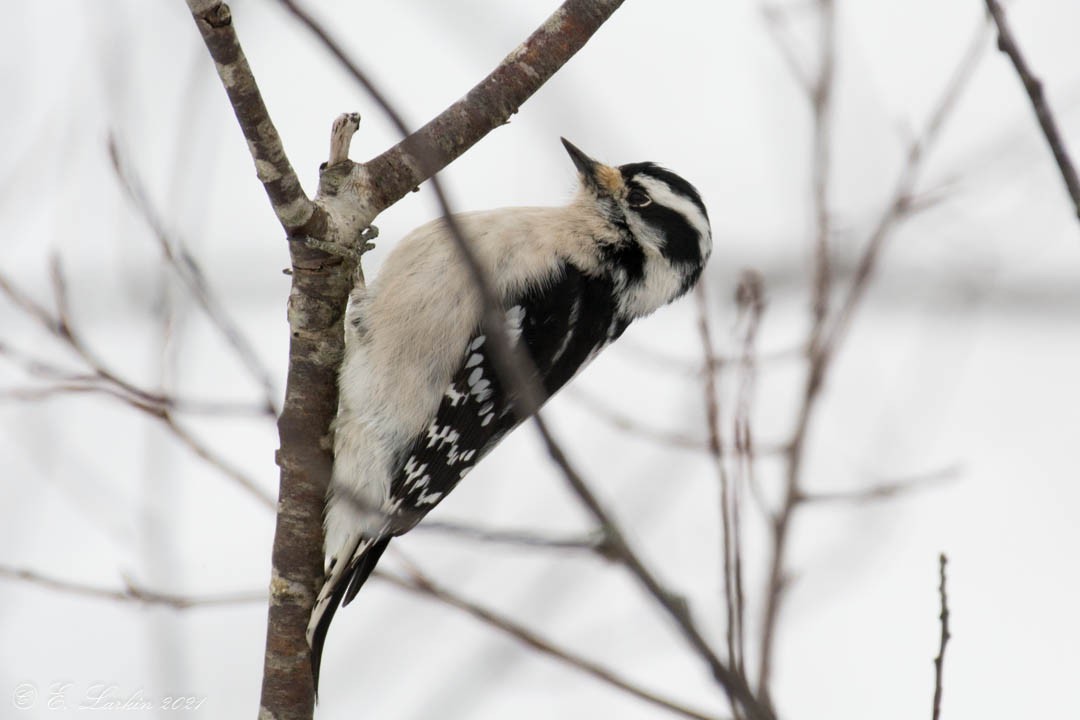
103,380
185,438
939,661
820,98
826,339
750,300
419,584
885,490
614,546
900,206
90,385
62,327
131,592
1034,87
675,606
593,542
187,269
656,358
776,24
604,411
822,162
713,369
292,207
628,424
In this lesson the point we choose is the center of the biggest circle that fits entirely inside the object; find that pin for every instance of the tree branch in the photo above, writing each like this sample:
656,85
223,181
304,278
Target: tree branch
900,206
827,336
101,380
419,584
291,205
713,369
1034,87
675,606
131,592
385,179
191,275
819,95
593,542
939,661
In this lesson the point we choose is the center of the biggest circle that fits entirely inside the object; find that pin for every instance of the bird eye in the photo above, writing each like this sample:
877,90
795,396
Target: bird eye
638,199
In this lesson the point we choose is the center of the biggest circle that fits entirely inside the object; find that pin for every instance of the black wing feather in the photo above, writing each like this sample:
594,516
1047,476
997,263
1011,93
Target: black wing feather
562,325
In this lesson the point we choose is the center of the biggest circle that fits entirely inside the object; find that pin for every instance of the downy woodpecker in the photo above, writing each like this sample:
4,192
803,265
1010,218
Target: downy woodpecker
420,400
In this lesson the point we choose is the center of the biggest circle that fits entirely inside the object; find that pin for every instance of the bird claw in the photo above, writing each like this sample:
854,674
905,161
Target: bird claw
367,236
350,254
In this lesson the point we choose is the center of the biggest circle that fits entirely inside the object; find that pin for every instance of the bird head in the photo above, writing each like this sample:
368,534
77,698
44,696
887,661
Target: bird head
666,237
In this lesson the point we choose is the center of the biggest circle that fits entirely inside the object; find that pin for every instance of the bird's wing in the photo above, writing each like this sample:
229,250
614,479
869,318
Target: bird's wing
563,325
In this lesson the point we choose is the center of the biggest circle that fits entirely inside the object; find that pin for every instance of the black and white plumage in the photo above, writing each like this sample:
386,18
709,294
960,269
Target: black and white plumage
420,401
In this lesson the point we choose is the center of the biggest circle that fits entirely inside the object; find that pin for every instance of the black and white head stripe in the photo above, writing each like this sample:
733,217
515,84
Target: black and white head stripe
676,210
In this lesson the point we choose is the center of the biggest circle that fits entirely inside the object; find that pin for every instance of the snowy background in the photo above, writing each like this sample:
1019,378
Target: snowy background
963,359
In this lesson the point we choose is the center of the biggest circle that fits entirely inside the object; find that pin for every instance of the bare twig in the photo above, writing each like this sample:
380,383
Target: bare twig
621,421
488,105
71,380
421,585
1034,87
593,542
292,207
820,98
223,466
776,23
750,300
713,368
184,437
601,409
827,336
885,490
131,592
61,326
104,381
675,606
939,661
90,385
900,206
613,546
660,360
187,269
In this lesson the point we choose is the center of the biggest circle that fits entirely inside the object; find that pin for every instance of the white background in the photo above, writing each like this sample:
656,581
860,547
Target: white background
965,356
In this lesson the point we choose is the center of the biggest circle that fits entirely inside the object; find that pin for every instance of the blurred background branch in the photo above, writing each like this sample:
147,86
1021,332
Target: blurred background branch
939,661
1034,88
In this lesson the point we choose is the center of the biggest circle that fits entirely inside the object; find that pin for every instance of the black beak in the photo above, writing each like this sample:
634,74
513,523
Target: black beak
585,164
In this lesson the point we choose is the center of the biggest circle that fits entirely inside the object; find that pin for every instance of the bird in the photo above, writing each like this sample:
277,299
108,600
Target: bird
420,400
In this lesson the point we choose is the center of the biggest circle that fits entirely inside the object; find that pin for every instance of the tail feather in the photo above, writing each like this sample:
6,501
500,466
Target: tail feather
348,570
363,567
